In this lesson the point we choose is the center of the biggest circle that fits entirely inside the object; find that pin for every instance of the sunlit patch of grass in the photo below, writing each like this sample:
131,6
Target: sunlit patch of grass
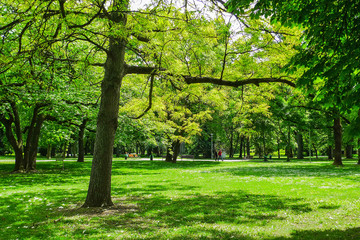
187,200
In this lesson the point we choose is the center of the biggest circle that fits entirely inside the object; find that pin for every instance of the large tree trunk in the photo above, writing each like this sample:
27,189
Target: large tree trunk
176,150
99,192
28,154
17,146
34,138
81,155
16,140
300,143
338,139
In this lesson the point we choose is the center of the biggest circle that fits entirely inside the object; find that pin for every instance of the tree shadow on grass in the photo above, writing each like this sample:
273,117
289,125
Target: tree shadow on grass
234,207
287,170
34,214
332,234
157,165
151,189
199,216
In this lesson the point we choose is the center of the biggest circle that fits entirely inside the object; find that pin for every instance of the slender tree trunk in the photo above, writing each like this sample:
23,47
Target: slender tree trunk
288,147
241,147
264,144
247,147
349,150
81,156
48,151
237,142
338,139
231,152
358,150
99,192
300,143
278,147
358,142
316,152
329,152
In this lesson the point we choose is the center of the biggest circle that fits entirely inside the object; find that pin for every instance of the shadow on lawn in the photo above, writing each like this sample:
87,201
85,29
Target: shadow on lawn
288,170
333,234
33,215
149,217
189,217
158,165
153,216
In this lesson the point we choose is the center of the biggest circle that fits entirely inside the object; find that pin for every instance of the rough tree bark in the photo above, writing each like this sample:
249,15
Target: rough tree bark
30,150
176,150
99,192
16,141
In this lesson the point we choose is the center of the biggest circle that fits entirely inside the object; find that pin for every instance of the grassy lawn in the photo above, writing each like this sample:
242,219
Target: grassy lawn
187,200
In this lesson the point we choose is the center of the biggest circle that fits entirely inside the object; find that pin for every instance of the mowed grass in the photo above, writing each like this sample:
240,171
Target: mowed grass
187,200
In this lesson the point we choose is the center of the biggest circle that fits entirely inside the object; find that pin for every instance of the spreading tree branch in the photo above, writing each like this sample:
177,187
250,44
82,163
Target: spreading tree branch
150,97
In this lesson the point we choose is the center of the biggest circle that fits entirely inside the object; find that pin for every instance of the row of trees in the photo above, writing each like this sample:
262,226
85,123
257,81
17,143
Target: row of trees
168,73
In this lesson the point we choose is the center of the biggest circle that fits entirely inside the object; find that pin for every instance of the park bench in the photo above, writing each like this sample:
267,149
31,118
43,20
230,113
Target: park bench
187,156
133,155
60,159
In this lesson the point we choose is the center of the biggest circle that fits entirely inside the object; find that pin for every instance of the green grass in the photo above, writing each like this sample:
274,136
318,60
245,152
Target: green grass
187,200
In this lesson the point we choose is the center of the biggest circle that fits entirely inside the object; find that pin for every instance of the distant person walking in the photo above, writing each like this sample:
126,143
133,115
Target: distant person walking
216,155
220,155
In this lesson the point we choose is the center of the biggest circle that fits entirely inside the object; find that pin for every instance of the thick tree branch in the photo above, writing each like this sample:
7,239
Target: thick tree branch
141,70
10,25
217,81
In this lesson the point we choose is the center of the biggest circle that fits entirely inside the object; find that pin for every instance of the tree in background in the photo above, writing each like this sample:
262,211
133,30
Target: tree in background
329,53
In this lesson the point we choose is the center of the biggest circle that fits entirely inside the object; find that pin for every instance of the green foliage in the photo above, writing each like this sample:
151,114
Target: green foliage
330,46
